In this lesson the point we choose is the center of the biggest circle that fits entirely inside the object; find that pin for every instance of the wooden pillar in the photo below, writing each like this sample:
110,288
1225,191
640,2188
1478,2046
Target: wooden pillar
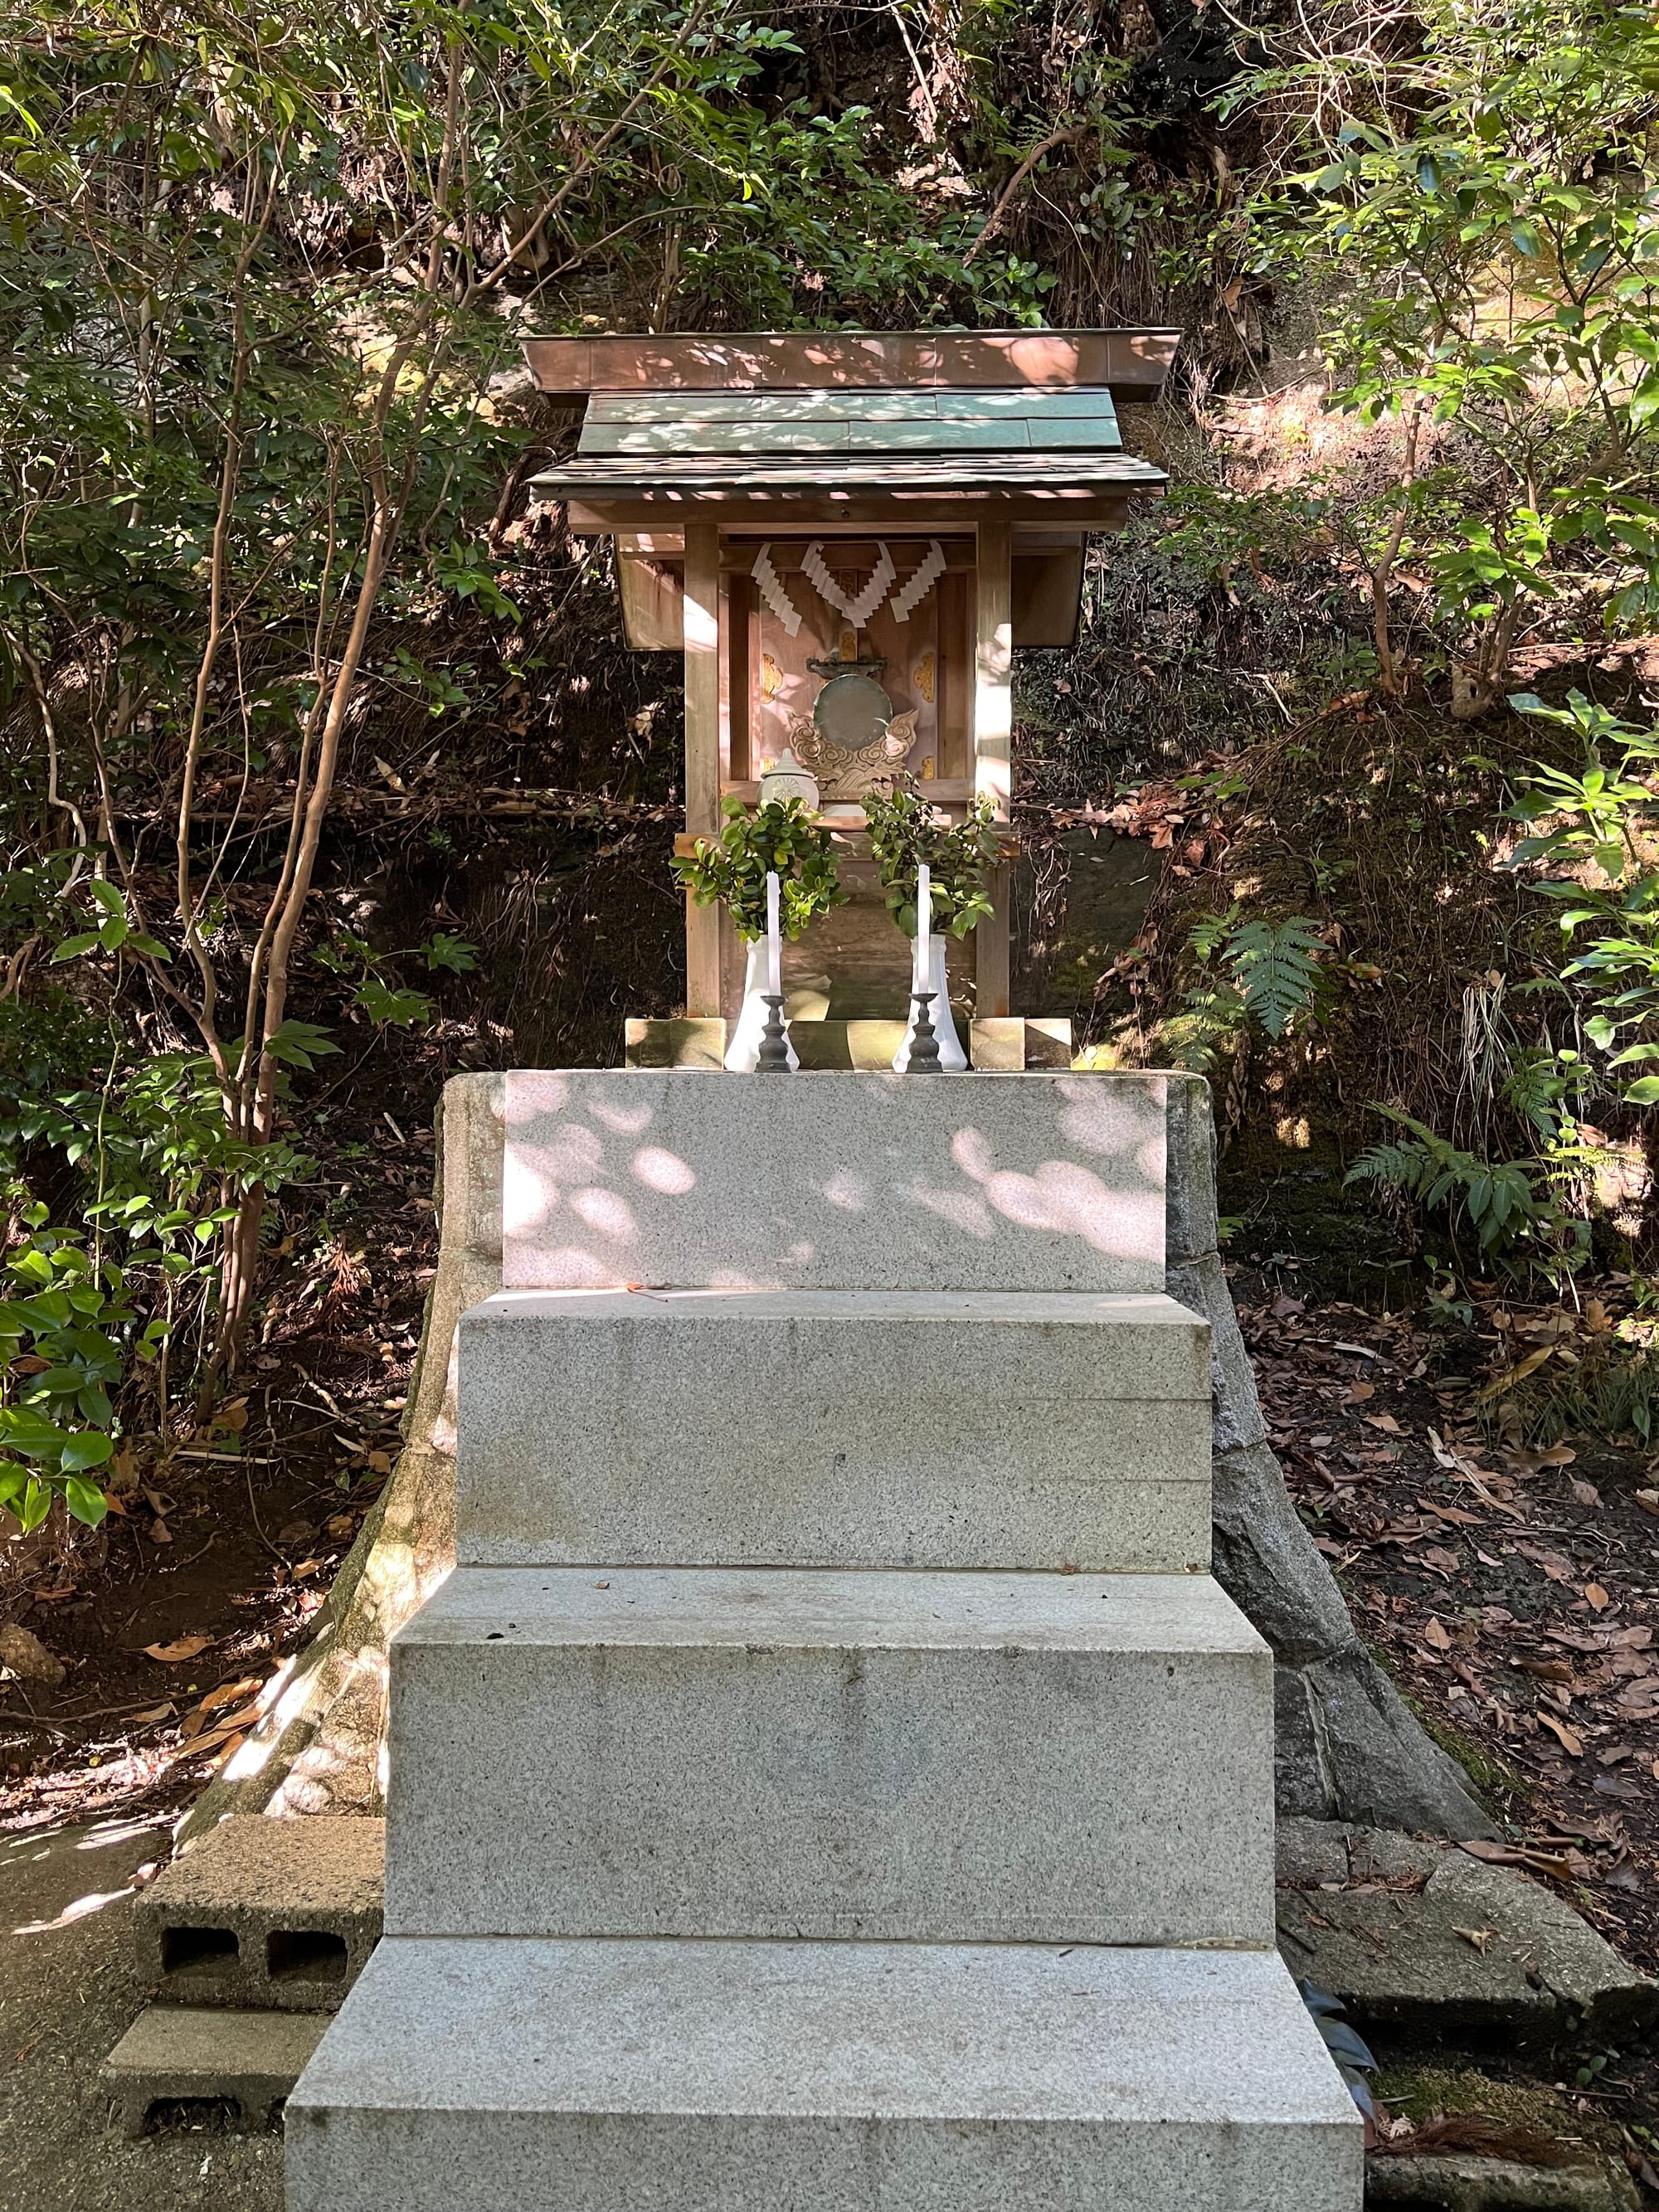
993,735
702,752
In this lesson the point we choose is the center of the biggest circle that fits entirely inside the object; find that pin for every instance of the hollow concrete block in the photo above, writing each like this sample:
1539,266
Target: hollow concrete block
181,2054
265,1913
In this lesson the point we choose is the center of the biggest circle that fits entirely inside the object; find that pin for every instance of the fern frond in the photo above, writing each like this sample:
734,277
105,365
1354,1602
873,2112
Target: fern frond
1396,1166
1500,1199
1277,968
1210,932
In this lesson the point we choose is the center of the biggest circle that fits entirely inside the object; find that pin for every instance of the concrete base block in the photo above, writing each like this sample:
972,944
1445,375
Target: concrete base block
1006,1043
248,2062
264,1912
685,1042
1014,1042
678,1179
545,2076
853,1429
991,1757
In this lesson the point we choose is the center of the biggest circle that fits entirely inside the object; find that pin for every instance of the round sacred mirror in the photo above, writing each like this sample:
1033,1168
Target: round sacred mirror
851,712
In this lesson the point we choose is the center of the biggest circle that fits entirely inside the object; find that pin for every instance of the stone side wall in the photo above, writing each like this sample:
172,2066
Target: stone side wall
322,1747
1347,1747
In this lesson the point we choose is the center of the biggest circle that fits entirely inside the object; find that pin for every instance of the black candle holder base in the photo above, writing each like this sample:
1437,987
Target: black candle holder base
923,1058
774,1040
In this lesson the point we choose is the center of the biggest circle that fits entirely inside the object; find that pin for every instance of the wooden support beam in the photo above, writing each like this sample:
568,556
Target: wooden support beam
702,752
994,737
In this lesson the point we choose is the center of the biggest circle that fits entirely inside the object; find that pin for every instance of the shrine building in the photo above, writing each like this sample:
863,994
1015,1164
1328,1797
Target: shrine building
848,535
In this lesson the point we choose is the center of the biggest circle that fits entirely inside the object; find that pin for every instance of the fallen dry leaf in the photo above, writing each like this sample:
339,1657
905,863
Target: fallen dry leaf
124,1472
1512,1376
229,1694
1647,1500
171,1654
209,1741
1435,1633
1596,1598
1480,1937
1571,1741
1384,1421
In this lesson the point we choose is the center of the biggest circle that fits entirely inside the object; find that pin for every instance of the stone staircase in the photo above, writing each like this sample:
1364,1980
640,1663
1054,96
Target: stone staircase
830,1780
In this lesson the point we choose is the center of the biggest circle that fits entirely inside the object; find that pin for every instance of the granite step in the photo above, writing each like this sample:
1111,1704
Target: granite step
506,2075
835,1428
765,1752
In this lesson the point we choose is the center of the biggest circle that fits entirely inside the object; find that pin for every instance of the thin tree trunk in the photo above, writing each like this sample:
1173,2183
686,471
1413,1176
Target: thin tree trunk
1381,570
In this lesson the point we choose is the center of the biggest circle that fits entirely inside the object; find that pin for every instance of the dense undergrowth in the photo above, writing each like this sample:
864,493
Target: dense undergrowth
323,761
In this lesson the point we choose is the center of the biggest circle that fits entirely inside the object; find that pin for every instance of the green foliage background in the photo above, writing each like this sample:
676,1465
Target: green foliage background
269,584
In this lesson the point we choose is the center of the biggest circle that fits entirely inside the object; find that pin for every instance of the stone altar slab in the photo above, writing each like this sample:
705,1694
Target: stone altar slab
679,1178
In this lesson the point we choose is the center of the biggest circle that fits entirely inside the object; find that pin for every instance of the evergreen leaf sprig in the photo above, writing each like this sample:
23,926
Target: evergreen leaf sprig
906,829
780,836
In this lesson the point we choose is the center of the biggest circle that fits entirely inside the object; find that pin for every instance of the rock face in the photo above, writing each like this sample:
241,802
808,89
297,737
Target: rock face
322,1749
1464,2183
1426,1945
1347,1747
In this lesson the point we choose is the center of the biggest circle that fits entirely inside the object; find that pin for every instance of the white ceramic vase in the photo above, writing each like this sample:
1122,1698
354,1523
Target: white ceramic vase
951,1057
743,1053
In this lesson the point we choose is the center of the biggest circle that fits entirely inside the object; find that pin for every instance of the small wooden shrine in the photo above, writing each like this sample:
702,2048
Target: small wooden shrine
849,534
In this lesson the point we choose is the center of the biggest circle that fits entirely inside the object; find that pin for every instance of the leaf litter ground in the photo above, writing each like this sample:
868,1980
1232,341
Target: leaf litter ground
1511,1586
173,1622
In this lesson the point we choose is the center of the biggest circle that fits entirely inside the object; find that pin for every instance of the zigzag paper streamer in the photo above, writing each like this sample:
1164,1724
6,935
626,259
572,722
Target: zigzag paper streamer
906,601
857,611
771,589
